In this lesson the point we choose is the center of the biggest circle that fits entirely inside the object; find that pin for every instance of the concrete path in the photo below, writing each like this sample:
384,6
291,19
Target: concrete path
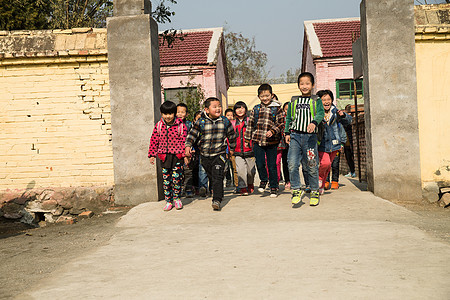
352,246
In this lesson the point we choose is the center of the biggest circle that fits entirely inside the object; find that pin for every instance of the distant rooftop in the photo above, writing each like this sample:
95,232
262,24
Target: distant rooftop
199,47
332,37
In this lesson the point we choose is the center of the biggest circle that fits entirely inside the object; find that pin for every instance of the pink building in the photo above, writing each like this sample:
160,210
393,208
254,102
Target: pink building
199,61
327,54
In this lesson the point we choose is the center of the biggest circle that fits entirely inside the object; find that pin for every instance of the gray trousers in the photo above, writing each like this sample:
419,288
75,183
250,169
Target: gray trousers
246,171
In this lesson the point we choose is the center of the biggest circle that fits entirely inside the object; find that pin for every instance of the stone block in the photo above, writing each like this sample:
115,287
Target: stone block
49,205
132,7
430,192
12,210
445,199
86,214
66,220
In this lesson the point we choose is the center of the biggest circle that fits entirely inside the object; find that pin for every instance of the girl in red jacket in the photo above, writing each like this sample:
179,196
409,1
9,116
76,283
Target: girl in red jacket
167,142
245,159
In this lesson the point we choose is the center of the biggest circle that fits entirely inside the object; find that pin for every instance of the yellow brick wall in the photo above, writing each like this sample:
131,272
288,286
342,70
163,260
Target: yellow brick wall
55,122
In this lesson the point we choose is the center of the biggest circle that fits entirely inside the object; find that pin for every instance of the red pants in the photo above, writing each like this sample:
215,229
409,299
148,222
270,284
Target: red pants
326,159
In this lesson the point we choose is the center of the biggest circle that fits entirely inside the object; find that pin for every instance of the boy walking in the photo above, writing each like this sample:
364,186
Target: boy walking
211,132
303,117
265,125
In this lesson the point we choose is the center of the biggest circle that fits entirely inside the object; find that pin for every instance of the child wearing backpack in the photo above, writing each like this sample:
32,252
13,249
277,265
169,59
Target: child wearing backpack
167,143
211,132
334,136
304,114
182,113
264,128
245,159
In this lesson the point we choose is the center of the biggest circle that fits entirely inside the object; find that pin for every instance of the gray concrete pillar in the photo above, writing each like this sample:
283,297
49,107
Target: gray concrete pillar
135,88
390,99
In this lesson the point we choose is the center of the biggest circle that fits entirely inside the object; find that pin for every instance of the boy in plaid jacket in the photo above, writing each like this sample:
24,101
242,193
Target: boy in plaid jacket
265,126
211,132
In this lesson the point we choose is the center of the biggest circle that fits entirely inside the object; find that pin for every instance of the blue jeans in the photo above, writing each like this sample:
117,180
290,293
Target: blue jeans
202,176
260,157
303,148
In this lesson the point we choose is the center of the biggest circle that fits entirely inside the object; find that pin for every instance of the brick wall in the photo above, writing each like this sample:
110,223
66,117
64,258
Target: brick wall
55,120
343,167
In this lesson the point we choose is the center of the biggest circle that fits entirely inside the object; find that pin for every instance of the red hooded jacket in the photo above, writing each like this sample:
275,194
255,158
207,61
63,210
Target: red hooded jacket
239,129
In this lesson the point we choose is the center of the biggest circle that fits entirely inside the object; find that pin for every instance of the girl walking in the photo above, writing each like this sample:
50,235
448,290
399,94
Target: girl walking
245,159
167,143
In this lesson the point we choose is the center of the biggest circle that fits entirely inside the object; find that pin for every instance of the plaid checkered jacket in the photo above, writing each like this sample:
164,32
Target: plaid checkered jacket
211,135
257,129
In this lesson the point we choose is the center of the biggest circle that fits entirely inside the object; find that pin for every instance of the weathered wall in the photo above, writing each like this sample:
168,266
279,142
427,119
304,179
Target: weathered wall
221,75
433,92
55,125
390,93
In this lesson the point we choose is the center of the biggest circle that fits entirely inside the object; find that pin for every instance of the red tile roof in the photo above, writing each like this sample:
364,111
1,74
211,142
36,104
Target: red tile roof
193,50
336,37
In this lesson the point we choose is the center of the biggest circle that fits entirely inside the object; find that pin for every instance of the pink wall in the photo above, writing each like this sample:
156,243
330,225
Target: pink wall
328,71
200,75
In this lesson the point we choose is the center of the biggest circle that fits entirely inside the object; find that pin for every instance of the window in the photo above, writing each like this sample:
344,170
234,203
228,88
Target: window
345,89
175,94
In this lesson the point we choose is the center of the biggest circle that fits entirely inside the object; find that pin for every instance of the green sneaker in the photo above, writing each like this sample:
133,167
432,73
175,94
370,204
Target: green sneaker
314,199
297,196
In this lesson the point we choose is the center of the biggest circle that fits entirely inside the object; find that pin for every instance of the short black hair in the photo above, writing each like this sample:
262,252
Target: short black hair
240,104
198,112
305,74
183,105
168,107
209,100
228,110
264,87
322,93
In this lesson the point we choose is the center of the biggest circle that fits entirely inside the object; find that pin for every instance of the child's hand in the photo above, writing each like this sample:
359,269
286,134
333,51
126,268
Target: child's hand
287,139
311,127
341,113
187,151
247,144
231,153
269,133
152,160
186,160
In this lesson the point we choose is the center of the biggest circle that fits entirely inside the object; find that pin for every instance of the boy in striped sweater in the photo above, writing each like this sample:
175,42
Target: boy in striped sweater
303,117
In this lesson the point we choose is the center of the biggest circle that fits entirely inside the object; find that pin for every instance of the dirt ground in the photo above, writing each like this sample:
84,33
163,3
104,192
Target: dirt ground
28,255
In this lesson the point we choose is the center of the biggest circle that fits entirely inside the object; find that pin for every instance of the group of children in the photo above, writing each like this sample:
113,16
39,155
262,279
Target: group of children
308,131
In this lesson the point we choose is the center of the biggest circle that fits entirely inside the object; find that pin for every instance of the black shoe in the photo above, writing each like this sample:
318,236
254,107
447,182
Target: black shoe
216,205
202,192
262,186
273,192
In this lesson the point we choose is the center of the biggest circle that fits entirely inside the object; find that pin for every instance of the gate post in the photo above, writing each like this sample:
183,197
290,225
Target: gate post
390,99
135,91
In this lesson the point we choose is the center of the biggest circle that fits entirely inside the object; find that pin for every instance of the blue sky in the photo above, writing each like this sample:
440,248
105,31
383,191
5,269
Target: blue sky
276,25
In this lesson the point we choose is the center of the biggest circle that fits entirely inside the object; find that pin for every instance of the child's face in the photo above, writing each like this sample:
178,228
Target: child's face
181,112
305,86
214,110
240,112
326,101
229,115
285,108
168,118
265,97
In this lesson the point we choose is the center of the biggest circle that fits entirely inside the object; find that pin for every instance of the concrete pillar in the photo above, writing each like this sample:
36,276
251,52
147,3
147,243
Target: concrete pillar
390,99
135,89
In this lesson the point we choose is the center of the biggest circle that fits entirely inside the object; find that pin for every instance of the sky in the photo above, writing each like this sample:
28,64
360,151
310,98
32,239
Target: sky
276,25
